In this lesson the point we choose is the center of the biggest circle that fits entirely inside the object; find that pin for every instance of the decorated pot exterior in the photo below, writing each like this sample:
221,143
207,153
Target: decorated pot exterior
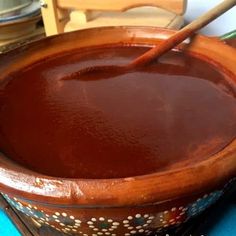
126,206
127,221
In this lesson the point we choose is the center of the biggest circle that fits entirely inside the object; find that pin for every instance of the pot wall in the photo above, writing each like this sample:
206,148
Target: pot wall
126,221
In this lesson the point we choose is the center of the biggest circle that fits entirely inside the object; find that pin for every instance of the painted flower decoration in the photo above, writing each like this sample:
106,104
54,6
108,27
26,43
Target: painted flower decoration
202,203
137,224
172,217
103,226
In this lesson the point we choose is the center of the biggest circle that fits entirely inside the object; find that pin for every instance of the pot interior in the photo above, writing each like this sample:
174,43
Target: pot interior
175,112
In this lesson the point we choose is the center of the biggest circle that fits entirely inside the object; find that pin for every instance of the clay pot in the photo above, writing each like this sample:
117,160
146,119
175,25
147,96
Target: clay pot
126,206
17,29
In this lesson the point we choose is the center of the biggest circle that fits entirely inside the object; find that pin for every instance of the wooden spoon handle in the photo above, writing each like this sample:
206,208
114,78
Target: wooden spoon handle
181,35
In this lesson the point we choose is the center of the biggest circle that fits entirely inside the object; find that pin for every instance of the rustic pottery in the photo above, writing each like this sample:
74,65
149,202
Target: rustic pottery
126,206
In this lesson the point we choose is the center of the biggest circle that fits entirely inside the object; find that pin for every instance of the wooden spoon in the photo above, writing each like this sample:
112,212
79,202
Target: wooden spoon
160,48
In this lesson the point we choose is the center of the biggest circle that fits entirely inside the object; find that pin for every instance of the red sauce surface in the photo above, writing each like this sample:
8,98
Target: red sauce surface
167,115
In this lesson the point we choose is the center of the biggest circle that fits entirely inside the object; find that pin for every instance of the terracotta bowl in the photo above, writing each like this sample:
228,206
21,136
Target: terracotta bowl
126,206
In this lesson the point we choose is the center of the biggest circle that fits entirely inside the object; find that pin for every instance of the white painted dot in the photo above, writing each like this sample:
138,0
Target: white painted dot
77,221
74,230
149,221
62,224
104,230
101,219
90,223
173,209
91,226
127,234
85,235
133,232
166,226
165,212
113,235
109,220
93,219
95,229
116,223
57,220
57,213
145,225
146,216
130,217
64,214
110,229
72,217
125,221
114,226
67,229
141,231
131,227
126,225
137,215
138,227
100,233
54,216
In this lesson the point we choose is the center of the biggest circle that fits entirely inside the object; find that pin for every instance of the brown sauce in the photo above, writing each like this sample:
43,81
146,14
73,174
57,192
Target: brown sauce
167,115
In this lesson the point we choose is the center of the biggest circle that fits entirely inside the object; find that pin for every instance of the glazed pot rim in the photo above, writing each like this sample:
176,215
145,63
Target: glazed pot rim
138,190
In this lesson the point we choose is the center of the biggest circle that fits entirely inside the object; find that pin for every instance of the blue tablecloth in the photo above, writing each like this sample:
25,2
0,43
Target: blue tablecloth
225,224
7,228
